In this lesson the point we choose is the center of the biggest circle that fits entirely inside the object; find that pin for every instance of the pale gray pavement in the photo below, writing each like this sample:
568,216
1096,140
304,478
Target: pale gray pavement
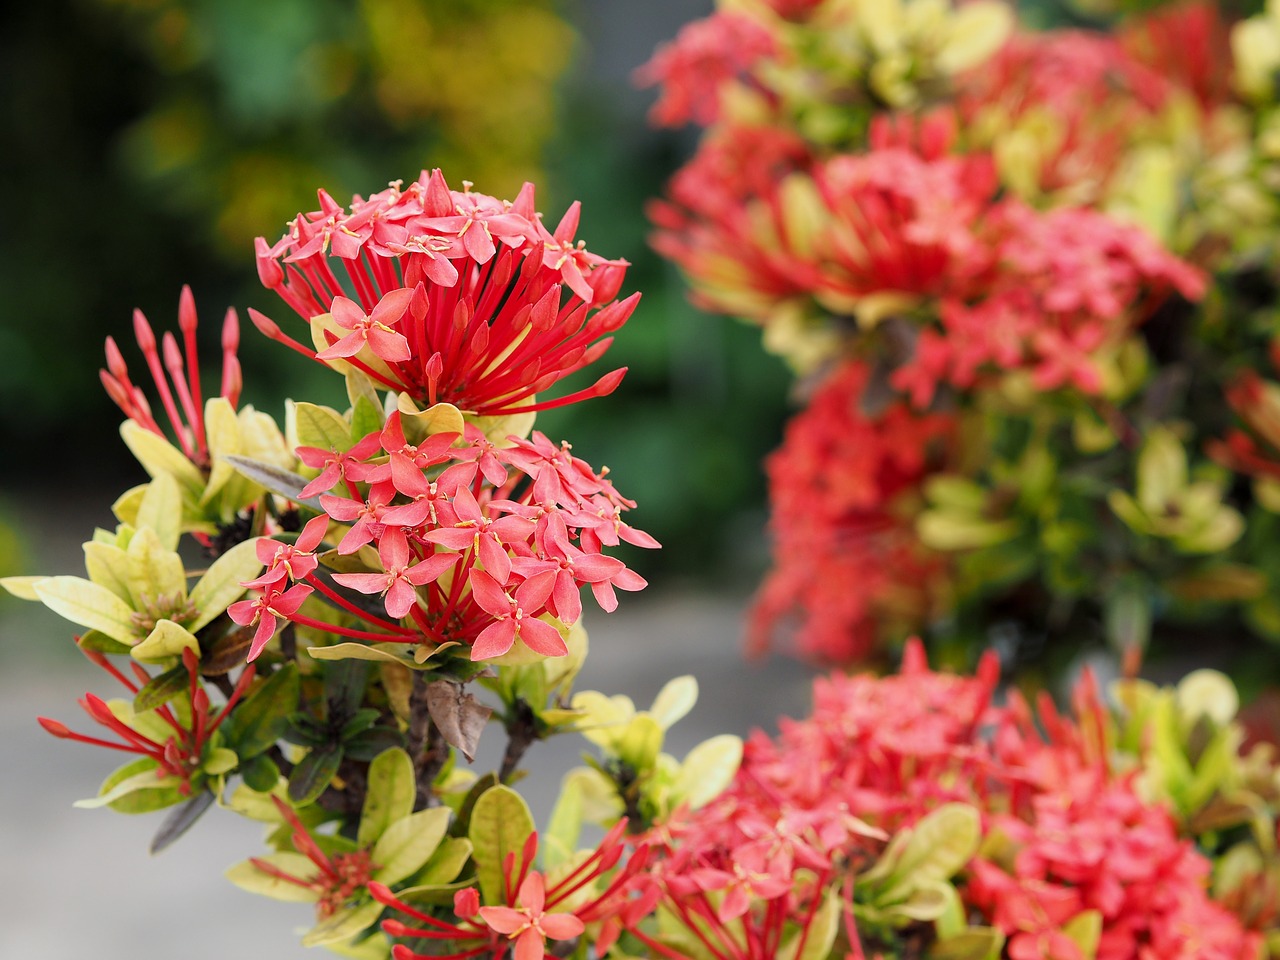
80,884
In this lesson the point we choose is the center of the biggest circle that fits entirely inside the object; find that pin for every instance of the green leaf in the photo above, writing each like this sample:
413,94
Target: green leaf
276,479
260,774
158,456
707,770
88,604
181,820
167,639
500,824
162,688
261,718
390,791
674,701
321,427
343,925
408,843
97,642
366,417
161,510
246,876
220,585
313,773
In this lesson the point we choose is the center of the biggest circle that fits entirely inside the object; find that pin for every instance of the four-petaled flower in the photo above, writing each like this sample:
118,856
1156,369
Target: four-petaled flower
399,576
373,329
515,617
528,925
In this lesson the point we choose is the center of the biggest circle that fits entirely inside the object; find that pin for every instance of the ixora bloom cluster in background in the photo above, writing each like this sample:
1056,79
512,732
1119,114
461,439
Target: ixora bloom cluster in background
1029,280
369,568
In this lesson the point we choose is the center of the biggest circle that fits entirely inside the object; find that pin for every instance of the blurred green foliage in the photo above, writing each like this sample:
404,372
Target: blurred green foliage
175,131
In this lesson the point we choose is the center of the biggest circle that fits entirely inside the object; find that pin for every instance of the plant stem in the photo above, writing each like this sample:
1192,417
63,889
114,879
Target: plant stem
426,746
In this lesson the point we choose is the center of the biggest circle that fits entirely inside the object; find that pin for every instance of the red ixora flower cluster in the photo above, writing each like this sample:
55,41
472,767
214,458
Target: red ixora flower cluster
878,754
467,300
458,296
846,557
589,900
477,543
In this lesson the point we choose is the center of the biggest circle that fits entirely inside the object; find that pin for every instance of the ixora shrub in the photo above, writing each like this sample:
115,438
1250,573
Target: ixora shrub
1029,280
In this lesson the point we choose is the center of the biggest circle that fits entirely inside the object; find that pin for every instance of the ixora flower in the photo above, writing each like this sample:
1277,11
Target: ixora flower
912,815
213,493
457,296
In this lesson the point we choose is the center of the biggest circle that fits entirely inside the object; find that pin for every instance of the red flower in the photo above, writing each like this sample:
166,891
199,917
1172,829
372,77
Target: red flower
529,926
845,559
695,67
186,415
459,297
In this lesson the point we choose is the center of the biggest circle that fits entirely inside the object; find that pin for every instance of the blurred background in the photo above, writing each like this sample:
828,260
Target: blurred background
147,142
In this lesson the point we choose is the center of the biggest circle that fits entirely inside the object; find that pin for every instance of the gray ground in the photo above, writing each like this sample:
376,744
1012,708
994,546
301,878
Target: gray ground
80,883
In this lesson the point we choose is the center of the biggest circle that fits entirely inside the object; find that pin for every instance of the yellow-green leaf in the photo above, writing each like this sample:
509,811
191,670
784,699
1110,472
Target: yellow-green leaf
343,925
220,586
977,31
822,932
707,770
938,846
389,794
1207,693
223,430
364,651
166,639
126,506
108,566
161,510
446,863
88,604
640,743
1085,929
24,588
219,760
246,876
321,427
144,781
674,701
500,824
408,843
154,572
603,717
159,456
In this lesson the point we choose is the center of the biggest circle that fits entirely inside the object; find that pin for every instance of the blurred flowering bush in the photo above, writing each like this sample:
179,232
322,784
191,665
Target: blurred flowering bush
1027,280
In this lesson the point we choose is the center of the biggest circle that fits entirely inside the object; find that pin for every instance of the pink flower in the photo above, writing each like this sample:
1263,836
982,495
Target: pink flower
266,611
399,576
529,926
459,296
515,617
